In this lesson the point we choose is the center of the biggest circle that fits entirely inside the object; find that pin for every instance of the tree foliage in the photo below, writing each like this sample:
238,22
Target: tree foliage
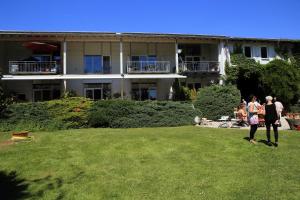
246,74
281,79
3,99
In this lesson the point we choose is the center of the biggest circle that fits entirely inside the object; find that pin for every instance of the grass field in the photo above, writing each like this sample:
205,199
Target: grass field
150,163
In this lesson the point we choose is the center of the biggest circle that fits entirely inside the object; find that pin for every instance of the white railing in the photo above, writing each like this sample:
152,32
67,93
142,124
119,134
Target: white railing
33,67
199,66
148,66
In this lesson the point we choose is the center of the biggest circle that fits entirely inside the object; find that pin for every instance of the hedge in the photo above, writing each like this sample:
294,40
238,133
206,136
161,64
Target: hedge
49,115
129,114
79,112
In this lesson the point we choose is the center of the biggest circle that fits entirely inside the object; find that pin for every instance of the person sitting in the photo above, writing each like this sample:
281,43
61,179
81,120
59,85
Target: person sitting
242,115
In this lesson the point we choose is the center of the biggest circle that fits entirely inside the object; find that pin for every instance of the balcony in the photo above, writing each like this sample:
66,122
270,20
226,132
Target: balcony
33,67
150,67
199,66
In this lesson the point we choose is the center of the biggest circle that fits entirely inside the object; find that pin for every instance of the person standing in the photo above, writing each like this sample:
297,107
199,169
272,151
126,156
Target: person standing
253,118
279,108
271,118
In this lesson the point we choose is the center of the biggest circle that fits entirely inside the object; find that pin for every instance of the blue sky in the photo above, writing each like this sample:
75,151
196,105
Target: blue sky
245,18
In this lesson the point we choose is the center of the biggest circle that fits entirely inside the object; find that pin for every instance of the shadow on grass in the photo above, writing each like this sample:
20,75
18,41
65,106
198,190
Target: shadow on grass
264,142
12,186
246,138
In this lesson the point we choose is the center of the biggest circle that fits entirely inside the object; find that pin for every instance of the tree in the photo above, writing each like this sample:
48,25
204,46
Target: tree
246,74
3,100
282,79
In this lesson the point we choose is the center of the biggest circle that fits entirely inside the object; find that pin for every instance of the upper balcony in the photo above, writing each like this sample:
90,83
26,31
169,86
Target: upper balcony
199,66
33,67
148,67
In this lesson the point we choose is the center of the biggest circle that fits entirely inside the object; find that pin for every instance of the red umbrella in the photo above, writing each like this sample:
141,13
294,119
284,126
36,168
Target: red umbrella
40,47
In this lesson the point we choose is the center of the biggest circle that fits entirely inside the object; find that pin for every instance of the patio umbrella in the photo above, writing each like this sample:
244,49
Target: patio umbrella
40,47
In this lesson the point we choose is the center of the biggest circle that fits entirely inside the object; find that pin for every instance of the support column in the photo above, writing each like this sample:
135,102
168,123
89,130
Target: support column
121,69
176,57
65,64
221,59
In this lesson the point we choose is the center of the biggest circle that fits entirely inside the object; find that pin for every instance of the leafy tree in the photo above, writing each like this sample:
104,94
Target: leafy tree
246,74
282,79
3,99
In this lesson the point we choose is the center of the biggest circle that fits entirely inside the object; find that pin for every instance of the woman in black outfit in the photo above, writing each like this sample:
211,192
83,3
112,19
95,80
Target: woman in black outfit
271,118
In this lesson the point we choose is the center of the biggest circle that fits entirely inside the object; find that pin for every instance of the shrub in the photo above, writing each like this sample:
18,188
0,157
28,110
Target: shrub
126,114
50,115
215,101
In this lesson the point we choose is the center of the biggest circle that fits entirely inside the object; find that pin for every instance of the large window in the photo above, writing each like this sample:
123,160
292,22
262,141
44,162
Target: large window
144,91
247,52
93,64
97,91
149,58
97,64
264,52
42,58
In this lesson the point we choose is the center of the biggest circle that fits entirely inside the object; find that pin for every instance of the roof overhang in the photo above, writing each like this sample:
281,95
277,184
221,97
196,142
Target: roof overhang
90,76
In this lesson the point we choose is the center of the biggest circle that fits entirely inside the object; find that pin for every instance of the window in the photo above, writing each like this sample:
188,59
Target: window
264,52
144,91
45,92
247,52
42,58
97,91
93,64
143,62
150,58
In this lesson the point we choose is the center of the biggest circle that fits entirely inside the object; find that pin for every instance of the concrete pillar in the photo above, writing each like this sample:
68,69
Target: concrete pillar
121,69
176,58
64,65
221,59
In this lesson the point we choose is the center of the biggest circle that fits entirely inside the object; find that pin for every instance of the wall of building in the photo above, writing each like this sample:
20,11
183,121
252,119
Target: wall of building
256,51
77,50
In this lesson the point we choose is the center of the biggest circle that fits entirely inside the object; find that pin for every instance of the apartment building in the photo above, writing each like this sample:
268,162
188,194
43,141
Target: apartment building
39,66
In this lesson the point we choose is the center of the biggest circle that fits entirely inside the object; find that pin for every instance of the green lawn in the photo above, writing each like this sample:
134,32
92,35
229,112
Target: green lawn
151,163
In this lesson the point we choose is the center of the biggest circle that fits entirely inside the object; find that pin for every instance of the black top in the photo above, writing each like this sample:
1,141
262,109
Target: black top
271,113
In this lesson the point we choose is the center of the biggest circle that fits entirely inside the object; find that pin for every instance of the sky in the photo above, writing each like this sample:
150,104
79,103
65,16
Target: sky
238,18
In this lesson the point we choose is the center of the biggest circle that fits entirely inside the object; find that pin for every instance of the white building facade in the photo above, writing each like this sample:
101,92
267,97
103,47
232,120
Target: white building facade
39,66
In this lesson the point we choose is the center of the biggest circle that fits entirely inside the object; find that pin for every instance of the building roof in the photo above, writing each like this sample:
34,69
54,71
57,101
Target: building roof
137,35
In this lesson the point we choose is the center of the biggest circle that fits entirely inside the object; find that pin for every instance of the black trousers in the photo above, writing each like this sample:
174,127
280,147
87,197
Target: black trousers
253,129
275,129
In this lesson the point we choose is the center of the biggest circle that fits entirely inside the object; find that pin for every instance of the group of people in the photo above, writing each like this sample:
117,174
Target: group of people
271,112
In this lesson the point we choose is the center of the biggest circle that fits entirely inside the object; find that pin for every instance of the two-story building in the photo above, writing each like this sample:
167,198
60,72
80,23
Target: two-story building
40,66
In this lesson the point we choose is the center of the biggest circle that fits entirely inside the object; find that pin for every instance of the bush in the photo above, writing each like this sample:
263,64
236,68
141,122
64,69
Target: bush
216,101
129,114
79,113
50,115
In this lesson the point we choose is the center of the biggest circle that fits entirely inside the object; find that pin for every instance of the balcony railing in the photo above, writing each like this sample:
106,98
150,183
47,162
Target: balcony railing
199,66
33,67
148,67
